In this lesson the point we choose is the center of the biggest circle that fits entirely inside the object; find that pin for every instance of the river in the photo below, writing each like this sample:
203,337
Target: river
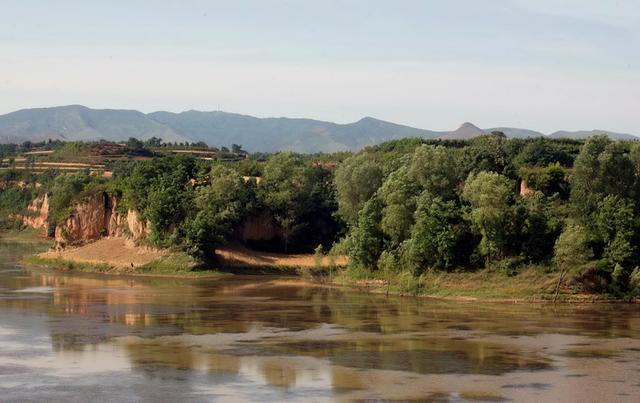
69,337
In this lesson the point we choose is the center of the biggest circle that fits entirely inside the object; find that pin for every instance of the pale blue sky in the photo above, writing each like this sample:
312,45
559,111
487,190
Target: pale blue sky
543,64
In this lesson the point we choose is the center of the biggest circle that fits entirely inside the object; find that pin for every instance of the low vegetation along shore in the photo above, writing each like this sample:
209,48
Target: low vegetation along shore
490,217
114,256
117,256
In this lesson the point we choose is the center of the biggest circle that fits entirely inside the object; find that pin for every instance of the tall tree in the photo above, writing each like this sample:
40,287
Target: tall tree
435,170
357,179
367,239
571,252
435,234
602,168
219,206
488,153
490,195
616,225
284,190
399,193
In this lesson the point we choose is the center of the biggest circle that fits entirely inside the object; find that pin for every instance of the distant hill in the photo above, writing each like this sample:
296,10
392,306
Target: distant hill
76,122
273,134
469,130
466,131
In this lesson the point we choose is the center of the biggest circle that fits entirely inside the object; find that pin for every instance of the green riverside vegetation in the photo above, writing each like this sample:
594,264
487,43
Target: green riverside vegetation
407,212
172,265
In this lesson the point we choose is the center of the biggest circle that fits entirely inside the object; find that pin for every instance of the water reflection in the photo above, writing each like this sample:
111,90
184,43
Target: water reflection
274,339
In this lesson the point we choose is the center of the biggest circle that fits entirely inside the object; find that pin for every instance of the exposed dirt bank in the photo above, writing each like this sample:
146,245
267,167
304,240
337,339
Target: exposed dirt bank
116,252
239,256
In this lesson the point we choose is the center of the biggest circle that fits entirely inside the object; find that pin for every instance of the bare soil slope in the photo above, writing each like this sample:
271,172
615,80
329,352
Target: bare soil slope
239,256
117,252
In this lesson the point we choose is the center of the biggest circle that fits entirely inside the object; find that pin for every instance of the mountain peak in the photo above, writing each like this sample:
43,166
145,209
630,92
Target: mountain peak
468,126
368,119
466,131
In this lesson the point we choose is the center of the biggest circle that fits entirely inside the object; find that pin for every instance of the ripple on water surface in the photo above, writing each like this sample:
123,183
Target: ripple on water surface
65,337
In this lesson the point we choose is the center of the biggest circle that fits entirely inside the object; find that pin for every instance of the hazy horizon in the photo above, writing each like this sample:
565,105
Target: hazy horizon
445,130
544,65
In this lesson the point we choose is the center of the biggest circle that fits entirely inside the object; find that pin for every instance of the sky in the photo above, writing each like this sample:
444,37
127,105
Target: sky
541,64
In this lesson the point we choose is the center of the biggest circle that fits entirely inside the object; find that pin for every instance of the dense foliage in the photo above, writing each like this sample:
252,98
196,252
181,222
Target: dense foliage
499,204
408,206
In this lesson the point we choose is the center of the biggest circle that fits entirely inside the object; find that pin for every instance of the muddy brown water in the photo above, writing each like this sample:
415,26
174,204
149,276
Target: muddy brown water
85,338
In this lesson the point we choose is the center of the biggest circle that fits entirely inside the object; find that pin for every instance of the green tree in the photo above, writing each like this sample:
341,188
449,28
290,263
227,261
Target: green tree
357,179
135,144
162,190
542,152
550,180
435,170
322,222
398,193
168,204
152,142
490,195
616,225
602,168
366,238
284,190
220,207
534,228
487,153
435,234
571,252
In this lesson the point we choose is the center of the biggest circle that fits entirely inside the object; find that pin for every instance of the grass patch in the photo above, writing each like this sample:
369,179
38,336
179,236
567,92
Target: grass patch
174,264
68,265
177,264
486,284
530,284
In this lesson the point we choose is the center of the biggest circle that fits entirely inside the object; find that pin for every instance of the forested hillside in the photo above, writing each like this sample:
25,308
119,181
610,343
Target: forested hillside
403,208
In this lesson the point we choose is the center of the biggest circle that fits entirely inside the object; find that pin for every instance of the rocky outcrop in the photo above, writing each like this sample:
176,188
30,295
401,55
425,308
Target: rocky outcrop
137,227
37,213
525,189
88,221
99,216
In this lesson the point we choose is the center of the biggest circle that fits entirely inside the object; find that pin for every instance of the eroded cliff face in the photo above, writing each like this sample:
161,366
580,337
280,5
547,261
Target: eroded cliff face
525,189
91,219
97,217
137,227
38,213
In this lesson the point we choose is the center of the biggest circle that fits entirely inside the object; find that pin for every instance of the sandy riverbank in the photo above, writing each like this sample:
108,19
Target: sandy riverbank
115,252
239,256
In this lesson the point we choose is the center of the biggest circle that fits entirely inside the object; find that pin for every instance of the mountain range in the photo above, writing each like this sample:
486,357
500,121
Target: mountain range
76,122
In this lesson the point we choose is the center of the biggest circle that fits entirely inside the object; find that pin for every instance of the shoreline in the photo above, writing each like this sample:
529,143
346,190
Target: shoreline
351,285
584,299
156,269
463,287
